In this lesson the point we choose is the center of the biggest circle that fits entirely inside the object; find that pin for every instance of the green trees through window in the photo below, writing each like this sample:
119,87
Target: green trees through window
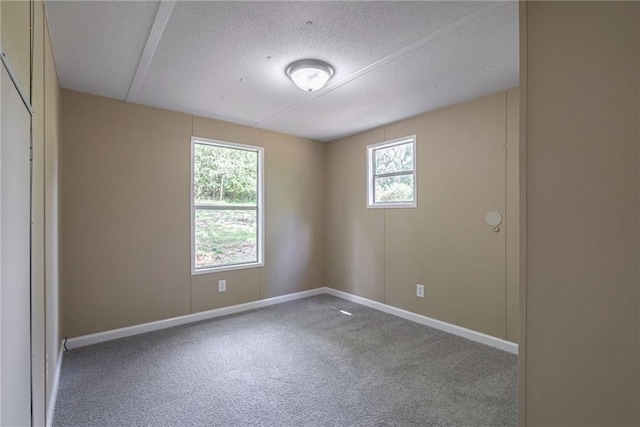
392,173
225,175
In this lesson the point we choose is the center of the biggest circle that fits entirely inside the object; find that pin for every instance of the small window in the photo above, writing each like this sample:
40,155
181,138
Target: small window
391,171
226,206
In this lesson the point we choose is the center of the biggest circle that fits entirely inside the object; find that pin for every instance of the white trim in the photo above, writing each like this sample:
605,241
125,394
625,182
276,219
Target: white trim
469,334
229,267
428,321
192,234
189,318
159,24
51,400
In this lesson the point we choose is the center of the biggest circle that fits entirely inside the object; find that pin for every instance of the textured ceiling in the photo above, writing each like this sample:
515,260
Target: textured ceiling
226,60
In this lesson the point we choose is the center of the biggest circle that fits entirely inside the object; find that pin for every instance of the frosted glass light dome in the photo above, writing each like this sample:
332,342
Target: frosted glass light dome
310,74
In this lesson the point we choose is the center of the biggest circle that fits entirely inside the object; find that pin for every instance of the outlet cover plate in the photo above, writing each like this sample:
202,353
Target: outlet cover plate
420,290
222,285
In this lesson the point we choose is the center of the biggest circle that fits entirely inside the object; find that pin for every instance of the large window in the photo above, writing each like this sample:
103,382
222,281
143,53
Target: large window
391,173
226,205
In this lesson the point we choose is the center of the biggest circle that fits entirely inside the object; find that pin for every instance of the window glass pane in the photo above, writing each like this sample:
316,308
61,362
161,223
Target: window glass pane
398,158
394,189
224,176
225,237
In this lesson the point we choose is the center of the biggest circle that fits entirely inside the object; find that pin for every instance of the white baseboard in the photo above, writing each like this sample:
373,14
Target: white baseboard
51,400
196,317
189,318
428,321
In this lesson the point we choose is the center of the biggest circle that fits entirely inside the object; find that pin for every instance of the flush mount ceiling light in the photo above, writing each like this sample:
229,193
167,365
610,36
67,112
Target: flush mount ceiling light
310,74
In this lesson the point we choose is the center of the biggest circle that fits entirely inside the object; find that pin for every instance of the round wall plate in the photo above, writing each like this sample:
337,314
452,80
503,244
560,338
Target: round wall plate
493,218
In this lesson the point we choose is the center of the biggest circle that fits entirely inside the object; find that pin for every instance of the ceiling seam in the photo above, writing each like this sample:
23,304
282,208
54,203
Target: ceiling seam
384,60
157,29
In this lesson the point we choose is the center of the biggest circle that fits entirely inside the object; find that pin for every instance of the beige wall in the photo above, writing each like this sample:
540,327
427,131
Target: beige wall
126,220
466,165
15,38
355,234
582,198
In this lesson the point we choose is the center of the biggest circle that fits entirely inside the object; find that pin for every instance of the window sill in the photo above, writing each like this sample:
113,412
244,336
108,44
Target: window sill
393,206
210,270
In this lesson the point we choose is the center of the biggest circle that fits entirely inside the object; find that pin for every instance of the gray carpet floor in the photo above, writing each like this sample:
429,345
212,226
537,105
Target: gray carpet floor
300,363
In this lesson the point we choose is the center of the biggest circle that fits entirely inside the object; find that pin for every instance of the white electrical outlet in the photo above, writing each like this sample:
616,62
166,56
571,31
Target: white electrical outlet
222,285
420,290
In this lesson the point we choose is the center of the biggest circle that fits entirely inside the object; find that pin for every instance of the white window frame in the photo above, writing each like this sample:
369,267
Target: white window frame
371,175
259,207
